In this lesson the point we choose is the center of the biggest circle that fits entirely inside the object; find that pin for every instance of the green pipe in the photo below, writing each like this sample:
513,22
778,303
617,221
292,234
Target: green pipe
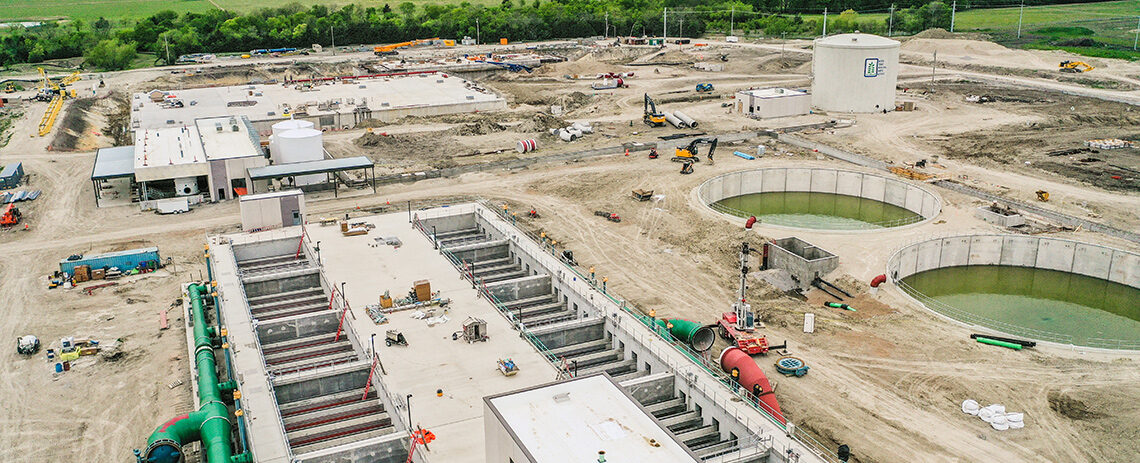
836,305
995,342
210,424
696,335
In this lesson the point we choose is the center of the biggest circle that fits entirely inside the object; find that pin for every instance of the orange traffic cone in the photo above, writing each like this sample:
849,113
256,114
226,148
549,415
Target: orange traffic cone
627,151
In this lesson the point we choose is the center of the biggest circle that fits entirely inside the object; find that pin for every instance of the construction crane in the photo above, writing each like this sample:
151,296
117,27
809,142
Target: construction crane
390,49
1074,66
653,117
689,153
54,94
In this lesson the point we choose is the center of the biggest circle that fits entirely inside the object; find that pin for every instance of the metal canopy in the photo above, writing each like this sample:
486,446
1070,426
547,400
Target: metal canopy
309,167
117,162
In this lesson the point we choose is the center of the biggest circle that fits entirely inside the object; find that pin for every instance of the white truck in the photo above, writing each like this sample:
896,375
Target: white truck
172,206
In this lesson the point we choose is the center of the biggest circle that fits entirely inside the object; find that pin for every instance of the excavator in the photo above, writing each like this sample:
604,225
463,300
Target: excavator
1074,66
690,154
11,216
653,117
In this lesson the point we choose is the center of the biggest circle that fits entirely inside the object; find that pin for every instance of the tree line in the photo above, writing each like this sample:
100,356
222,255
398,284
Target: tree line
114,45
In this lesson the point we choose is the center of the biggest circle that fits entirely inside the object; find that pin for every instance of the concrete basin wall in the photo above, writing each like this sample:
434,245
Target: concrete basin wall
1063,255
889,190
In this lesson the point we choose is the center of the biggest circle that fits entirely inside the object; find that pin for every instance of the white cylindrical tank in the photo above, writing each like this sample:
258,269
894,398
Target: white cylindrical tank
855,73
300,145
282,127
186,186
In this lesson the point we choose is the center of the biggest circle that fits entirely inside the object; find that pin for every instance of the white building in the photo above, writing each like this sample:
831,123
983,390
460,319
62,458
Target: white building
267,211
767,103
855,73
576,421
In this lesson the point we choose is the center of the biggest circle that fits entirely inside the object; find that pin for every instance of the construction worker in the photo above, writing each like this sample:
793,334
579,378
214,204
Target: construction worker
653,153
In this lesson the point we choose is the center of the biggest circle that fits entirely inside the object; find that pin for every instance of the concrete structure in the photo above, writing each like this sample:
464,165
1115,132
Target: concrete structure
207,160
329,104
589,415
854,73
11,175
1091,260
802,260
889,190
1003,217
272,210
310,392
767,103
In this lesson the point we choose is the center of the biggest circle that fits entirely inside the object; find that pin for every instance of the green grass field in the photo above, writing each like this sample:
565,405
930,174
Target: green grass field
88,10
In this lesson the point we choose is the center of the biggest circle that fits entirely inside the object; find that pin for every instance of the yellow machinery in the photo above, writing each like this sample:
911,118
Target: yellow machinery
54,93
1074,66
390,49
10,88
1042,195
652,116
910,173
689,153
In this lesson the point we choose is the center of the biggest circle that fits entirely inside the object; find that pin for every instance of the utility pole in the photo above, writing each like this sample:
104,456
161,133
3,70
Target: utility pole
166,41
891,22
664,25
681,30
332,32
953,12
732,21
825,22
607,25
933,67
1137,38
1020,15
477,31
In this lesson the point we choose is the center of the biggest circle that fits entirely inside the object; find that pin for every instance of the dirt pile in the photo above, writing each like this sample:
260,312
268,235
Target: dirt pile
778,64
933,33
541,122
374,139
1070,407
482,127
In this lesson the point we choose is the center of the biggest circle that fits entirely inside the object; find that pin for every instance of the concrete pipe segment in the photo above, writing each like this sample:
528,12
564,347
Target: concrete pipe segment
918,203
685,118
676,122
1046,289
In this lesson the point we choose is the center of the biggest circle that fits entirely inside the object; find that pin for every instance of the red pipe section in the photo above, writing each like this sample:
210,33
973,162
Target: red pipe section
369,76
875,282
751,221
746,372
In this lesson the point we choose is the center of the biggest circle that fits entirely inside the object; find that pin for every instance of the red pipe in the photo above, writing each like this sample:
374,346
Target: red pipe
751,221
875,282
369,76
746,372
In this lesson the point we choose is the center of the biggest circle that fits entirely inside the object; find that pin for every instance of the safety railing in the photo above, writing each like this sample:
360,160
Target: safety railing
791,221
739,395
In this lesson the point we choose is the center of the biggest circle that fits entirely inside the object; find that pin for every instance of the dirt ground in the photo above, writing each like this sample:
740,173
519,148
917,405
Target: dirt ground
887,380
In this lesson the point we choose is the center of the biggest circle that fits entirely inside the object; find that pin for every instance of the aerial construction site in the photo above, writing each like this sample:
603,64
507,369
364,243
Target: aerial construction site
854,248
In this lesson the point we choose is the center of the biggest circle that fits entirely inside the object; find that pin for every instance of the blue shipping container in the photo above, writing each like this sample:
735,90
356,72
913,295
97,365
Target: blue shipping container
11,175
124,260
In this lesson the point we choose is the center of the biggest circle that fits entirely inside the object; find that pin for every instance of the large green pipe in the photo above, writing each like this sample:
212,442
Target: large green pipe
696,335
994,342
210,424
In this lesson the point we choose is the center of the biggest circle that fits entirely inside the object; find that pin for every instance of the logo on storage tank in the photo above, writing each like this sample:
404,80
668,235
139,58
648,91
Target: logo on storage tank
873,67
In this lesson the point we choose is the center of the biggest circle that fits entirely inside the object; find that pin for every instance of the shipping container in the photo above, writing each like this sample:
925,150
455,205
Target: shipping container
11,175
124,260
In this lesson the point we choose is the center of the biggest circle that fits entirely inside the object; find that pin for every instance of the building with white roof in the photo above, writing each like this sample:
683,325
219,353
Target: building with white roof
767,103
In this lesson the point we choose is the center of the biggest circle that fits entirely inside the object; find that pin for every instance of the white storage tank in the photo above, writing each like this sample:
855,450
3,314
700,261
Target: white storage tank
300,145
282,127
855,73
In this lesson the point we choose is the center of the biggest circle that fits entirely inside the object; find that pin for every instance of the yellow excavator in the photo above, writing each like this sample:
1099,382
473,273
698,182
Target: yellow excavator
652,117
1074,66
689,153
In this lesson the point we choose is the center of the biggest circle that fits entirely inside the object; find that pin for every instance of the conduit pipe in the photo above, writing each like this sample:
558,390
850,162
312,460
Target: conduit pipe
686,119
696,335
746,373
210,424
678,123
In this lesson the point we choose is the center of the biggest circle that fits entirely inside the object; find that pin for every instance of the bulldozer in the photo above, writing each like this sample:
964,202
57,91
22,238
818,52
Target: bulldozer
1043,196
690,154
653,117
1074,66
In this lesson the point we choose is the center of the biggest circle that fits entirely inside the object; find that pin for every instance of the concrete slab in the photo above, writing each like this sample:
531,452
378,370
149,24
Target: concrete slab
465,372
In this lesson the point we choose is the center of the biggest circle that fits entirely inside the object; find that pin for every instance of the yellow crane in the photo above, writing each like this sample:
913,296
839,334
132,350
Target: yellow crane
54,93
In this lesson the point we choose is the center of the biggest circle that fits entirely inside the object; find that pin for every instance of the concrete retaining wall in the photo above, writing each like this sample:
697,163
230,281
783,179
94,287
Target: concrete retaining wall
257,250
281,285
271,332
321,386
1019,251
822,180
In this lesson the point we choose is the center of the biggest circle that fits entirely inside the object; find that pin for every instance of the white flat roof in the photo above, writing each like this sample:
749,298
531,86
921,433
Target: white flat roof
228,143
175,146
257,101
573,420
774,92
